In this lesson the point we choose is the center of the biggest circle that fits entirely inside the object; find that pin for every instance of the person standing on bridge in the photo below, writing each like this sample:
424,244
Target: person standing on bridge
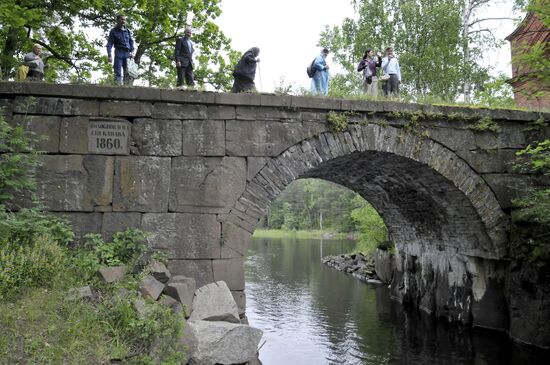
368,65
245,71
184,59
319,81
121,38
35,64
390,65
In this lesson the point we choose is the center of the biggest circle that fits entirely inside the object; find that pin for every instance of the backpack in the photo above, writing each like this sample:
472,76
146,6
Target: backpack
22,73
311,69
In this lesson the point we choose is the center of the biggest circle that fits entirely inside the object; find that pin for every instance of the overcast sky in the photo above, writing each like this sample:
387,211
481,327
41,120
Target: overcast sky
287,31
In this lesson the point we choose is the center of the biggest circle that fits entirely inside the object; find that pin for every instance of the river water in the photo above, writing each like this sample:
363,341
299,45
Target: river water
314,315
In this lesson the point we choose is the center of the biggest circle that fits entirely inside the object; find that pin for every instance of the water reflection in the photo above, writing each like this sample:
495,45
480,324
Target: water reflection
311,314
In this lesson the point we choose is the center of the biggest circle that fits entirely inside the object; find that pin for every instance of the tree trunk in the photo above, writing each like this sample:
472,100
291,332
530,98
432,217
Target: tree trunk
139,53
467,87
7,62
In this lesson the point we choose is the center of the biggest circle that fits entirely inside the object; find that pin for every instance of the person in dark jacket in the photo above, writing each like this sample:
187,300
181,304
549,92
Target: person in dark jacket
245,71
184,59
368,65
121,38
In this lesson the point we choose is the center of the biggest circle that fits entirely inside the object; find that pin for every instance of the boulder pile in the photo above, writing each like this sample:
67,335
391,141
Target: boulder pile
357,265
213,332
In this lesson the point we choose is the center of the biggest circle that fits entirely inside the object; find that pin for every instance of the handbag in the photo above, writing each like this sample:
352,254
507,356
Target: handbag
132,67
385,77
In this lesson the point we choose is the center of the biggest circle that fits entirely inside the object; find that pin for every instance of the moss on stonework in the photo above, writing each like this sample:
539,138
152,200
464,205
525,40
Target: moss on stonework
485,124
536,125
338,122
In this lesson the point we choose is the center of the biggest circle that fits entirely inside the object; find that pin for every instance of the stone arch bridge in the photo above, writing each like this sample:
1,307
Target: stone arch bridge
199,169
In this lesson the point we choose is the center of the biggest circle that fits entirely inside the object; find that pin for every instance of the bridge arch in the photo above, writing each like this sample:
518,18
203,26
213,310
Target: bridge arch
424,191
446,223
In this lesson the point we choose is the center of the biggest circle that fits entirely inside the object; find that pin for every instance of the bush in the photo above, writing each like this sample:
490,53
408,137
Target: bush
126,248
44,328
29,266
17,158
25,226
155,331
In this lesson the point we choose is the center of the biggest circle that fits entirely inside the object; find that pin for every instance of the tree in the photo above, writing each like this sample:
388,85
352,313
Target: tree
424,33
477,37
437,41
373,231
66,30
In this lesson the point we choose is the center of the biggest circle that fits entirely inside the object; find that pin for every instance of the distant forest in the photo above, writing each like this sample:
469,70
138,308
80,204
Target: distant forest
313,204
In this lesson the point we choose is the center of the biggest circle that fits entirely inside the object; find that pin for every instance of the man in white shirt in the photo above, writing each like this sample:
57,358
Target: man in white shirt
390,65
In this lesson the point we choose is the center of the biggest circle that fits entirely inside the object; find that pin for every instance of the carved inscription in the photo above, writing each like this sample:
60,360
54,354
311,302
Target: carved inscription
108,137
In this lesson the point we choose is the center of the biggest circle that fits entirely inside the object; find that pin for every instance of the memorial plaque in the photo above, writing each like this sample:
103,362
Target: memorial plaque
108,137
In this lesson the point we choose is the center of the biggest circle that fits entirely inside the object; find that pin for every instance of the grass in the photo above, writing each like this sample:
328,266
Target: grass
43,328
281,233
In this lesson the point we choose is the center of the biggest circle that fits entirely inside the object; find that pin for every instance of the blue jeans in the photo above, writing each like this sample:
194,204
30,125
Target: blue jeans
121,64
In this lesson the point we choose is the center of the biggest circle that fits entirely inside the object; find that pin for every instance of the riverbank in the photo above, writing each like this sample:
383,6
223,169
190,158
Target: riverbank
317,234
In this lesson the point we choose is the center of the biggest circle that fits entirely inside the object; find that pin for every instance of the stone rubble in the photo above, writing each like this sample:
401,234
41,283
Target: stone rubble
214,332
357,265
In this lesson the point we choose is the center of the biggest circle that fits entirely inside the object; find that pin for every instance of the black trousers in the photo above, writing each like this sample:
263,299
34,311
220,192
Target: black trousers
392,85
34,76
241,85
187,73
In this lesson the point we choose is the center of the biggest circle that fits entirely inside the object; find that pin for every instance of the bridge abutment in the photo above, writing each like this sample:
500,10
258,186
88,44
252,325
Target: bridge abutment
198,170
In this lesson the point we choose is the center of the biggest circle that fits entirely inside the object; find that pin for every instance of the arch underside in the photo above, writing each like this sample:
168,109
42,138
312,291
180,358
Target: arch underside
427,195
420,207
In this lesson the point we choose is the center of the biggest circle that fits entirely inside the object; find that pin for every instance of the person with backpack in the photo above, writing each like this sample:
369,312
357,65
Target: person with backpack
35,64
121,38
319,81
390,65
245,71
368,65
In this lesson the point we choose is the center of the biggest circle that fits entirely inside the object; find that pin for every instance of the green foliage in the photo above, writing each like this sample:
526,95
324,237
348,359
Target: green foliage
308,204
337,122
373,231
534,206
43,327
126,248
427,36
29,266
534,158
17,159
65,30
485,125
496,93
32,250
24,227
140,331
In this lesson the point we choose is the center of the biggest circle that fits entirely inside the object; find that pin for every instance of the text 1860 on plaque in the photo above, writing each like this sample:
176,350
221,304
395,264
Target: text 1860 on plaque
108,137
